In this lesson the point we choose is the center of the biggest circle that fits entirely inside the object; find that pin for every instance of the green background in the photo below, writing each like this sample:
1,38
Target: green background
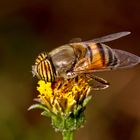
28,27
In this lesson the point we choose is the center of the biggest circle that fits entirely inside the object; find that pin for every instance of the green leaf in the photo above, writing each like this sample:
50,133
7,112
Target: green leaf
86,101
69,123
77,109
40,106
58,123
47,114
80,120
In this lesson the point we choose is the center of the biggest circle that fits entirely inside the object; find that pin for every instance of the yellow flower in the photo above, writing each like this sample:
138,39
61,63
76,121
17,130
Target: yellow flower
63,96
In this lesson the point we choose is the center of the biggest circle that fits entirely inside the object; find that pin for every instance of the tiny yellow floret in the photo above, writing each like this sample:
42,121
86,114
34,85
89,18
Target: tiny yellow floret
44,88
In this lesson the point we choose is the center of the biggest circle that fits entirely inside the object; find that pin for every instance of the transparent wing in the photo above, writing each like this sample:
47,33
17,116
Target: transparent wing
109,37
97,83
126,59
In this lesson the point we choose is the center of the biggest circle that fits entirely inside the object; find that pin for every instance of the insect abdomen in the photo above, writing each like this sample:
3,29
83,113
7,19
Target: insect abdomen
102,56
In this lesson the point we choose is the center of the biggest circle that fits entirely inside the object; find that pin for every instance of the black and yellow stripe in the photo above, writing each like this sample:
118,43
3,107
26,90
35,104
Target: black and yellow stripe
108,56
101,56
44,68
112,58
96,55
89,52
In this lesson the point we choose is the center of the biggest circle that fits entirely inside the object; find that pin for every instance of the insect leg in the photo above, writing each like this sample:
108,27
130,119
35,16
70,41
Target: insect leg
97,83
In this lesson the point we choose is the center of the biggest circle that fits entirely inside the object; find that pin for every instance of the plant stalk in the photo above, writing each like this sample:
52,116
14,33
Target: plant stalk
67,135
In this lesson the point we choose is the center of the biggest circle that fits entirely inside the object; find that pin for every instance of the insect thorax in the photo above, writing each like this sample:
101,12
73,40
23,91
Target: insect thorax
63,59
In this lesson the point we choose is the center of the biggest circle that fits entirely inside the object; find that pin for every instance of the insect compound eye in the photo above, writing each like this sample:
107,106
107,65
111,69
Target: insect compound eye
44,68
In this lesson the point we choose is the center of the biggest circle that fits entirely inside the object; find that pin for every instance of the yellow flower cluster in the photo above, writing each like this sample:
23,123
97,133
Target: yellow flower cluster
63,96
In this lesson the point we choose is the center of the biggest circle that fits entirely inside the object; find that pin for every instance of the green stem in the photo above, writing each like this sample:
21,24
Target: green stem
67,135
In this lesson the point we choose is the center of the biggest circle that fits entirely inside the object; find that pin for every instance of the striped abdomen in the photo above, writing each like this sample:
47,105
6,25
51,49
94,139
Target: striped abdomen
101,56
44,68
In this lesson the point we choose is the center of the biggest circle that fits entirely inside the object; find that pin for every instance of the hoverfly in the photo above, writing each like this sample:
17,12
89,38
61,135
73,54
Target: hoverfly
83,57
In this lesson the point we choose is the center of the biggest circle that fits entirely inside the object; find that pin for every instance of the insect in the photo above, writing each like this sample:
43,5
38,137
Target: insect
84,57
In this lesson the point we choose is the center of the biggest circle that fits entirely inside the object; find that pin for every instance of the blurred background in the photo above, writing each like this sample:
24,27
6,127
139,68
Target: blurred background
28,27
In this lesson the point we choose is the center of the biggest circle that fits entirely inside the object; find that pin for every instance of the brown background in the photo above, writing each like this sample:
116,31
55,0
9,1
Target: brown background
28,27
